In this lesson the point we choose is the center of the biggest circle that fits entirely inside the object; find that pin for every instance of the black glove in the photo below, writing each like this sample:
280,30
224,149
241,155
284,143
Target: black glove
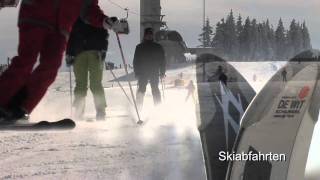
113,19
110,22
69,60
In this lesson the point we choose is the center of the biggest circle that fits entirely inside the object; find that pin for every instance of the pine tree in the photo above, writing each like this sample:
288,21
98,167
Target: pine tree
280,41
244,40
206,35
294,39
219,38
254,40
230,36
306,37
239,26
262,41
239,29
271,40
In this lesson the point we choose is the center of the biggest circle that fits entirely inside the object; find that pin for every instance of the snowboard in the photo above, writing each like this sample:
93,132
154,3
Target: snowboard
64,124
222,102
280,120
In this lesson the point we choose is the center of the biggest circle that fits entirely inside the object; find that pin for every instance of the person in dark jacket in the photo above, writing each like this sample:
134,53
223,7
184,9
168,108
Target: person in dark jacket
86,50
149,64
284,75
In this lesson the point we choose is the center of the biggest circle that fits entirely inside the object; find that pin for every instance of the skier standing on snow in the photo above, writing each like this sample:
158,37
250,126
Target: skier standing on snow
221,75
86,51
254,77
148,64
44,28
191,88
284,75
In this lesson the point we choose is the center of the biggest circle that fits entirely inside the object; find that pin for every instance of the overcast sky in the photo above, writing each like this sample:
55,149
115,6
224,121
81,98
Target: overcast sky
184,16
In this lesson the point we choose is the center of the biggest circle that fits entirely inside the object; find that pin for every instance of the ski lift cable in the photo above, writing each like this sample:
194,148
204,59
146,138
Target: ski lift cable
128,10
123,8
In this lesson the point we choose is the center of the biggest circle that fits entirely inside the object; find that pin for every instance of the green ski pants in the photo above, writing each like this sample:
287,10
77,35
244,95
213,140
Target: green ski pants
89,64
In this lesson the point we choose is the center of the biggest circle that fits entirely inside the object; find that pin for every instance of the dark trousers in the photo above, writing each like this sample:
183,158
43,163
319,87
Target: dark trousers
284,78
142,85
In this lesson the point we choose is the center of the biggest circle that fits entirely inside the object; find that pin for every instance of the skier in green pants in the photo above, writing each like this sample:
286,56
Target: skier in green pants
86,50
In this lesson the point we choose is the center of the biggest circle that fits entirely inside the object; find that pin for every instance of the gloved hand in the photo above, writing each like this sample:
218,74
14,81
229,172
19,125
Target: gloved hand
118,26
69,60
110,22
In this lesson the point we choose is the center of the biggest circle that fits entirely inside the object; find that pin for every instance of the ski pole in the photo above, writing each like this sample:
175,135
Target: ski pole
70,86
162,84
115,78
126,70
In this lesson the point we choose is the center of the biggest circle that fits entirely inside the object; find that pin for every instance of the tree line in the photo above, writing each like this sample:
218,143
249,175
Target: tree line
253,40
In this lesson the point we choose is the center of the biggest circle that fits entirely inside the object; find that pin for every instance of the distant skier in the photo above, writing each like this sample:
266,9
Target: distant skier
86,51
148,64
221,75
191,88
254,77
44,28
284,75
223,78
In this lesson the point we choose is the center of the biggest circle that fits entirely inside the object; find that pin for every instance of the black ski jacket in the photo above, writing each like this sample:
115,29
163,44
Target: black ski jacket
149,59
85,37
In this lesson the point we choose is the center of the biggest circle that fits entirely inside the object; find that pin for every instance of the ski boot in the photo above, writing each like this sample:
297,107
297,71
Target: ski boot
3,115
101,115
13,115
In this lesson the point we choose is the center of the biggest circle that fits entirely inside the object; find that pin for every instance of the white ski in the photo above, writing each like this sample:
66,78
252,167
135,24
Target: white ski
278,126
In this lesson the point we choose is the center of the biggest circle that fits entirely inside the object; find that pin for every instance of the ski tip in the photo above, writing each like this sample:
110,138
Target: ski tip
62,124
139,122
69,123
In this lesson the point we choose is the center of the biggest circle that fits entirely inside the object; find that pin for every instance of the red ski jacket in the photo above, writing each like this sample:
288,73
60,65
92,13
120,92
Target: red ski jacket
60,14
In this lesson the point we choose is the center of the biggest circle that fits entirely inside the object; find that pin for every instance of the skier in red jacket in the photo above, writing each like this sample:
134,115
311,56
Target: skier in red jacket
44,27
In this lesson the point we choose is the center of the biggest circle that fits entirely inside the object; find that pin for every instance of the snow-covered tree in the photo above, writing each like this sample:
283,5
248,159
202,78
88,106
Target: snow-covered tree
230,36
244,39
280,41
218,40
253,40
306,37
206,35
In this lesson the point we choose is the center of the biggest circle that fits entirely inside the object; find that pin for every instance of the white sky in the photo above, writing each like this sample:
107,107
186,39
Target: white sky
184,16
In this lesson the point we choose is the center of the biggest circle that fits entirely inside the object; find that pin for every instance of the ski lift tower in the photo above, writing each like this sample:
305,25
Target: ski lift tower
150,16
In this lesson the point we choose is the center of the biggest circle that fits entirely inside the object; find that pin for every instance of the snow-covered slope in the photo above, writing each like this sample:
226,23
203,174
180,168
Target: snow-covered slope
166,147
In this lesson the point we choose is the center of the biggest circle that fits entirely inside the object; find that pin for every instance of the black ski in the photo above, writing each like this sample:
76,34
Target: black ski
63,124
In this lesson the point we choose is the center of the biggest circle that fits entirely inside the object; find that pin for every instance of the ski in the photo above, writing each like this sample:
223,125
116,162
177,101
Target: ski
63,124
280,120
224,95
